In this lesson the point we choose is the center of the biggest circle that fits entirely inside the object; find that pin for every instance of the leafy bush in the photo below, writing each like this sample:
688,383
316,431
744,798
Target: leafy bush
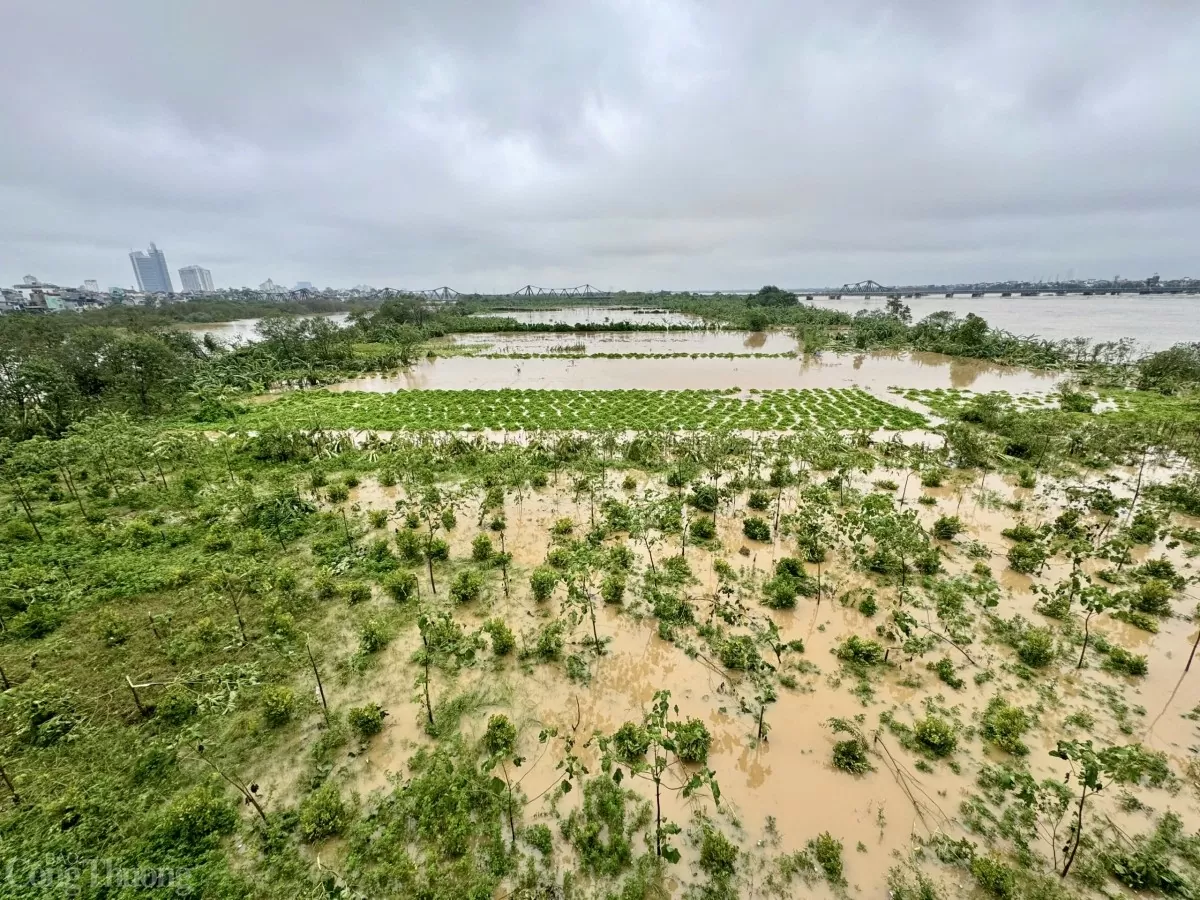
366,721
692,741
739,653
944,668
759,500
1153,597
1026,558
936,736
630,743
402,586
827,851
612,588
502,636
718,855
1036,647
540,838
481,548
704,497
756,529
279,704
702,528
337,493
357,592
1004,725
466,587
1123,662
860,651
373,636
542,581
994,877
947,528
851,756
549,642
195,817
177,705
410,546
500,738
323,814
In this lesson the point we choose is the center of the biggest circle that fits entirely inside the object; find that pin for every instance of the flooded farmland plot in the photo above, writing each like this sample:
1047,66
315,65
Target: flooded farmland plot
868,708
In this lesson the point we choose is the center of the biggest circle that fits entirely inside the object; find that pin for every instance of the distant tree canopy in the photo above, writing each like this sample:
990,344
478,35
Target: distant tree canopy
769,295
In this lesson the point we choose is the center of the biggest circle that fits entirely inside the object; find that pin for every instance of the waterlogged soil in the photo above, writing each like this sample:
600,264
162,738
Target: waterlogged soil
874,372
788,780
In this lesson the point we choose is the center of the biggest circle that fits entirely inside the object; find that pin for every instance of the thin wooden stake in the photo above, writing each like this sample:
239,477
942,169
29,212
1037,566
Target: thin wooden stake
320,687
8,783
136,698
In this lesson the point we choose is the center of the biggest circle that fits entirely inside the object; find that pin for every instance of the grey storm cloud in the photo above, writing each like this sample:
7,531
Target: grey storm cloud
627,144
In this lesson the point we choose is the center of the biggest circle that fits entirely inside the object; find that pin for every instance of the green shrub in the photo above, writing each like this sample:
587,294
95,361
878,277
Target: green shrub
366,721
410,546
1036,647
702,528
780,592
759,501
563,528
851,756
1123,662
718,854
542,581
279,704
612,588
936,736
402,586
449,519
501,736
481,549
1026,558
195,817
377,517
944,668
373,636
1004,725
177,705
323,814
861,651
630,743
1153,598
994,877
437,550
947,528
357,592
704,497
540,838
549,642
692,741
739,653
868,606
502,636
337,493
466,587
827,851
756,529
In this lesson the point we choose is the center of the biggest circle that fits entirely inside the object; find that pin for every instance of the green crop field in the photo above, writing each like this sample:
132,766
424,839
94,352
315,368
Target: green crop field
433,410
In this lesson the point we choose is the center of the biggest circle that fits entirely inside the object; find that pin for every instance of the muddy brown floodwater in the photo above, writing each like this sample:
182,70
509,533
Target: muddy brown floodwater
874,372
789,779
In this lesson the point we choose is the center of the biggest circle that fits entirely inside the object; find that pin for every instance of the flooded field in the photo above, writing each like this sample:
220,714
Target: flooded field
781,790
243,331
874,372
1154,323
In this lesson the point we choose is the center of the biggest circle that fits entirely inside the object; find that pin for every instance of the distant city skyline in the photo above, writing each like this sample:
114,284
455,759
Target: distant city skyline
150,270
195,279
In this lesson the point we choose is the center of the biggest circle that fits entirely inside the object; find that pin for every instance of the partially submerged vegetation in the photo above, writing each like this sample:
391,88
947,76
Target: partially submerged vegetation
338,645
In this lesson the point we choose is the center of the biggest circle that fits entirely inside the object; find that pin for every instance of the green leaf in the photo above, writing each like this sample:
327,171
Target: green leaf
671,855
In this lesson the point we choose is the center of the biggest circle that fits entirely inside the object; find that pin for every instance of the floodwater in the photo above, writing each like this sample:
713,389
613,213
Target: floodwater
874,372
788,778
712,341
597,315
1154,323
245,331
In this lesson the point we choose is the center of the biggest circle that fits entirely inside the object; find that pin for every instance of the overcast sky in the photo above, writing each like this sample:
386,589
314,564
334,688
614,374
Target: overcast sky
644,145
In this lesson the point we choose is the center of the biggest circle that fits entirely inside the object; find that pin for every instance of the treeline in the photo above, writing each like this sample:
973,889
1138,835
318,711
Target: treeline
56,371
